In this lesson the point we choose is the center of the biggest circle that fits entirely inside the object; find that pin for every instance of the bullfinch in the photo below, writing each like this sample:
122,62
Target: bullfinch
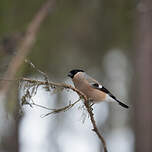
92,88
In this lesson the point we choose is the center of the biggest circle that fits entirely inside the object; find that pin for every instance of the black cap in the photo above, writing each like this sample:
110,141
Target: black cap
73,72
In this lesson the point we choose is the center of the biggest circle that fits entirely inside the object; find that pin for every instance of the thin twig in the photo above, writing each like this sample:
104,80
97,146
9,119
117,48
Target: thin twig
95,129
38,105
61,109
36,68
46,78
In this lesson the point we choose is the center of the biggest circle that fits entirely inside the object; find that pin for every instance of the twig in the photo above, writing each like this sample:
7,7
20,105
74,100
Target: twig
61,109
95,129
37,69
46,78
25,46
38,105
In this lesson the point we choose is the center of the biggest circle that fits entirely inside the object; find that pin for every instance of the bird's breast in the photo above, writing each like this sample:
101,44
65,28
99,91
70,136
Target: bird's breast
92,93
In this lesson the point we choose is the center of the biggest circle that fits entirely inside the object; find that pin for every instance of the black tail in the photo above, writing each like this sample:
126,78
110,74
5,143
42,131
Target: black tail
122,104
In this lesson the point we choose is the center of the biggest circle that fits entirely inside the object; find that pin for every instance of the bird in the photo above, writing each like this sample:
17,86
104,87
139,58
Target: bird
92,88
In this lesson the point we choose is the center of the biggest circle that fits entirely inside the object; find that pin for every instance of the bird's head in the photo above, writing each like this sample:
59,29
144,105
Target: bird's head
72,73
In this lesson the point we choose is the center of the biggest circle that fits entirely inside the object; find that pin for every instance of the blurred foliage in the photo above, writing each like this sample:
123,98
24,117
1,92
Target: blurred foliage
76,33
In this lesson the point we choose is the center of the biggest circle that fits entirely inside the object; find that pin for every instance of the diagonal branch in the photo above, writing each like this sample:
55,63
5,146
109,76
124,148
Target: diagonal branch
25,46
95,129
61,109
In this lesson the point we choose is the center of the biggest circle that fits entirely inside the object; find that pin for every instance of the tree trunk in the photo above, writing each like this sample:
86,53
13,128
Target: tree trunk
143,76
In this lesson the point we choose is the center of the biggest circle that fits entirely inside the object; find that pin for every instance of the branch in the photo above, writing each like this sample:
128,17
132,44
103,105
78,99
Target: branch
66,86
61,109
25,46
95,129
83,96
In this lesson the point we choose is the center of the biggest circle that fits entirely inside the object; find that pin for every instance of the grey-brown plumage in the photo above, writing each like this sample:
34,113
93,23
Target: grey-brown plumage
92,88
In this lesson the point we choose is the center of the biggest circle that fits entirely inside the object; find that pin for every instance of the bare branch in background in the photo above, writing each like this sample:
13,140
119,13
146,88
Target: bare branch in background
25,46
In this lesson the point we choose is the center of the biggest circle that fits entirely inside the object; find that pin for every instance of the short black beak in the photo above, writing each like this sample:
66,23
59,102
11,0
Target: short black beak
69,74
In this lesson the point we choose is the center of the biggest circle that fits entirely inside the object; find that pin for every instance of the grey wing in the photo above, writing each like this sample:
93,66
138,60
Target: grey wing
90,79
95,84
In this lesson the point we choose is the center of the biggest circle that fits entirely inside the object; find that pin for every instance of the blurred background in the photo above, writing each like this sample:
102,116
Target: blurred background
110,40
